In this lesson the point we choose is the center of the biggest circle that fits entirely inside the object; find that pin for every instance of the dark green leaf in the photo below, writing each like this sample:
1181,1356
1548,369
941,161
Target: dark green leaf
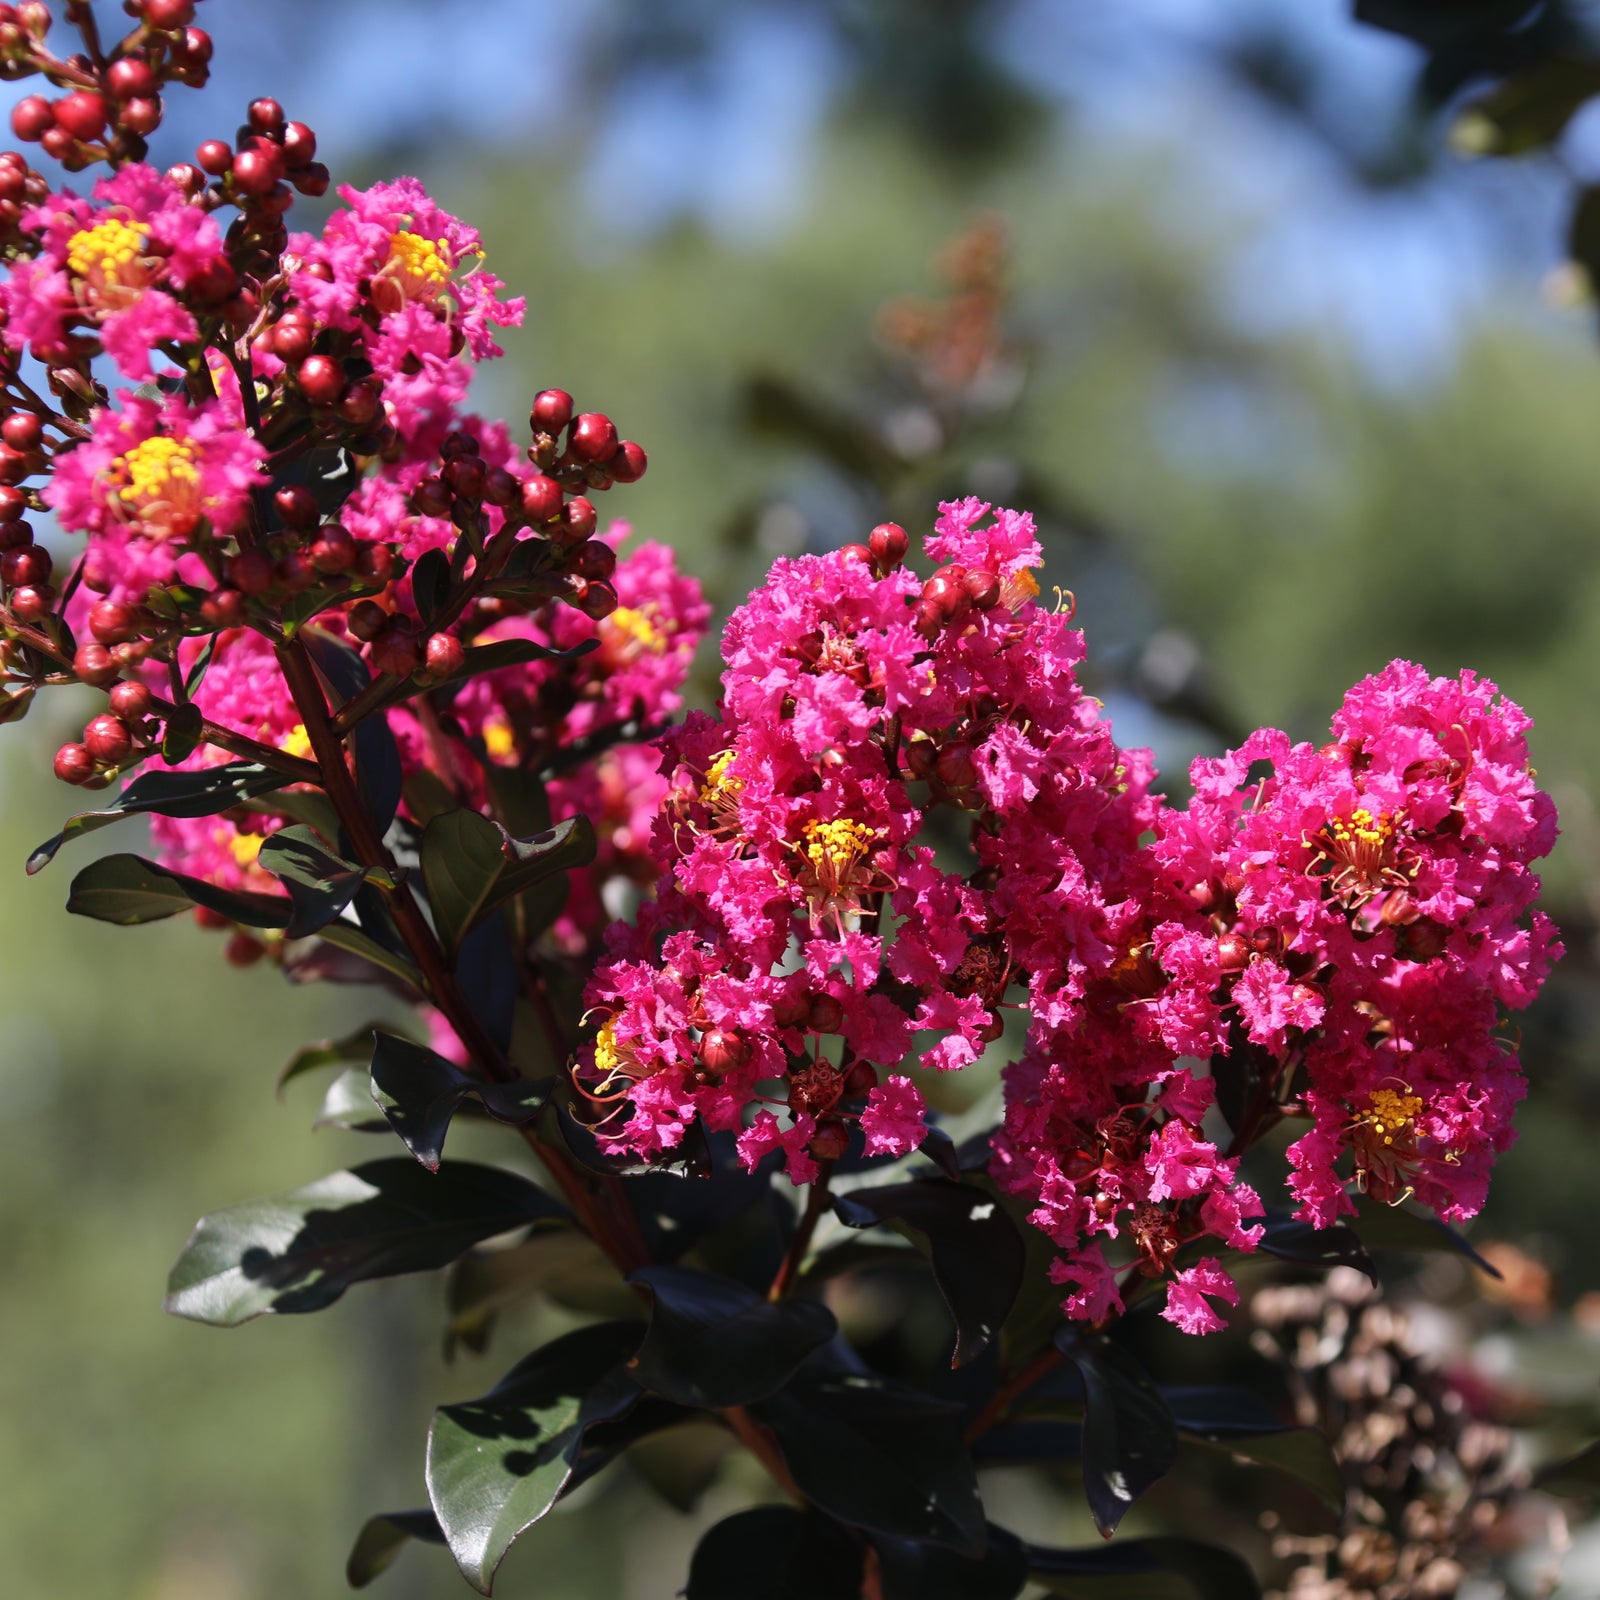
128,890
383,1537
514,653
1384,1227
355,1046
910,1571
1289,1239
497,1465
1130,1440
320,883
681,1462
775,1553
171,794
712,1342
419,1092
180,734
1302,1453
300,1251
470,865
196,674
1144,1569
909,1476
348,937
430,585
974,1247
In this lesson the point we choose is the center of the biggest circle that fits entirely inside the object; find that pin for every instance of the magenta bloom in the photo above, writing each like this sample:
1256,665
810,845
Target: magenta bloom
120,264
392,250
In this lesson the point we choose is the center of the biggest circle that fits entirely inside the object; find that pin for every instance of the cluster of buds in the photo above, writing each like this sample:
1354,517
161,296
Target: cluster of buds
298,459
1337,940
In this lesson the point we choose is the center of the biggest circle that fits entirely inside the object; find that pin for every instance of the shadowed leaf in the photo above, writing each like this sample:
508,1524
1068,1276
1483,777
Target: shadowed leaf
383,1537
128,891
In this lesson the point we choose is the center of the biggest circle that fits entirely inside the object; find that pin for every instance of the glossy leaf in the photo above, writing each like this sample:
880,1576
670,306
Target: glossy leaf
470,865
170,794
1144,1569
515,653
430,585
353,1046
1384,1227
712,1342
383,1537
180,733
1290,1239
320,883
974,1247
300,1251
911,1571
910,1475
497,1465
418,1091
347,1104
348,937
775,1553
129,891
1130,1440
1239,1423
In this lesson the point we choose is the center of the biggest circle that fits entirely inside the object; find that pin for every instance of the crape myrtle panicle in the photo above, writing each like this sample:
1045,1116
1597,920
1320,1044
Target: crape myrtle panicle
1357,919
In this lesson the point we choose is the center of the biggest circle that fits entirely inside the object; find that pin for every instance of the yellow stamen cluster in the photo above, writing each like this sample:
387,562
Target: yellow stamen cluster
637,628
720,786
833,848
110,255
499,739
607,1058
157,470
421,266
298,743
1392,1113
1361,831
1018,590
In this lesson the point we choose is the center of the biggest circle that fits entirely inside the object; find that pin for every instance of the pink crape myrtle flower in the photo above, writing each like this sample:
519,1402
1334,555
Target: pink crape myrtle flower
393,250
120,263
151,473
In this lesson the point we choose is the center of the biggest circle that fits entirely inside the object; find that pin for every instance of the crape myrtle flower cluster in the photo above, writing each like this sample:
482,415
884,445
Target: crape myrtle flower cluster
1352,918
256,432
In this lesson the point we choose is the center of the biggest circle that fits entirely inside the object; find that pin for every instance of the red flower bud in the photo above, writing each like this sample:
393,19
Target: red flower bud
214,156
223,608
73,763
831,1140
552,411
251,571
111,622
297,505
13,502
168,15
130,78
29,565
107,739
541,498
597,600
333,550
32,602
856,554
93,664
956,766
22,431
501,488
593,436
311,179
265,116
395,650
322,379
295,572
1233,952
32,117
888,543
374,562
367,620
299,144
141,116
445,655
592,559
130,699
465,475
860,1080
826,1015
722,1051
629,462
578,518
982,588
83,114
242,950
